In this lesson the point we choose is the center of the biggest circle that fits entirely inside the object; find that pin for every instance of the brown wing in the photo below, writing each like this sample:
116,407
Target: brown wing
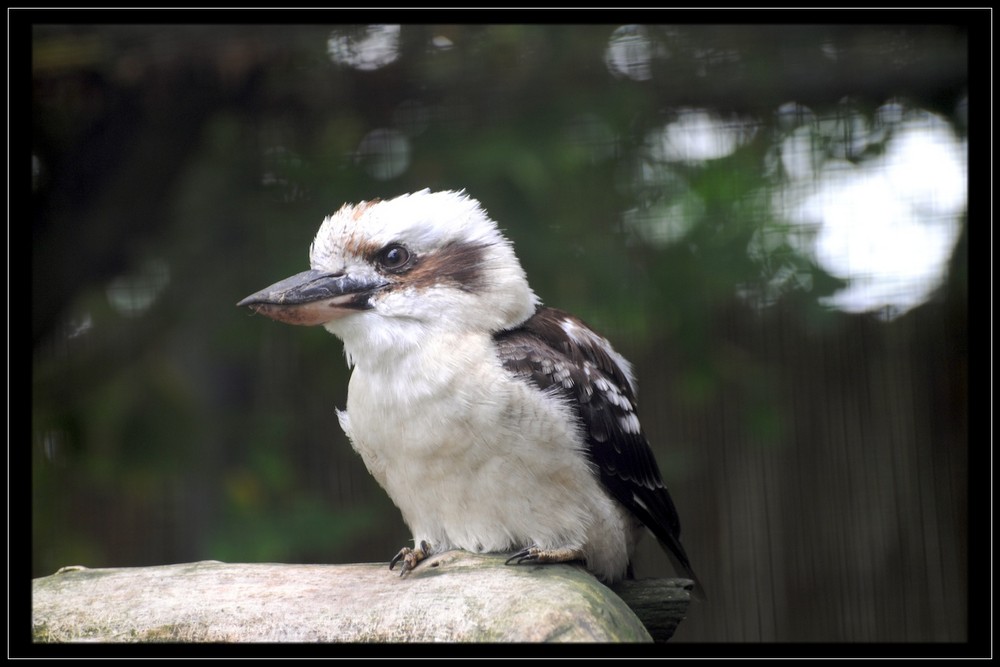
558,353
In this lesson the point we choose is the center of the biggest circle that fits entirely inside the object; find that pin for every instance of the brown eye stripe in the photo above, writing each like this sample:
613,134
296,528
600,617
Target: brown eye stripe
458,264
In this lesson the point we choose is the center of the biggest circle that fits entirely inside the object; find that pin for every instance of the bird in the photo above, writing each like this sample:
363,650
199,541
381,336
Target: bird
494,423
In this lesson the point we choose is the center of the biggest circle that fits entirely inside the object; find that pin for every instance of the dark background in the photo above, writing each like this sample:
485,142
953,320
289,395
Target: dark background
817,451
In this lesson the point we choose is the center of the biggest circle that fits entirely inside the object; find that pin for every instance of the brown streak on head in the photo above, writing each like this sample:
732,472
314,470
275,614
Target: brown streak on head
362,207
356,243
456,264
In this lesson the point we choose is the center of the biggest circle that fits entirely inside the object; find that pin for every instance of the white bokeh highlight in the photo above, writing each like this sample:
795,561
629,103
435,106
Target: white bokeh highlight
372,49
887,225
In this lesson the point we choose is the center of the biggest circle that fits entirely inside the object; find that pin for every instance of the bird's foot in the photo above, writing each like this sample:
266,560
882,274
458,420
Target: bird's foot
535,554
410,557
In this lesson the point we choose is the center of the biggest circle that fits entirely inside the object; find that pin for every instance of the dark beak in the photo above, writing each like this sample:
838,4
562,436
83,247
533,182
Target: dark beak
314,297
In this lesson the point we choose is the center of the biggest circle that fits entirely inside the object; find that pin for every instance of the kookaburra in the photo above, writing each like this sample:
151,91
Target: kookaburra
495,424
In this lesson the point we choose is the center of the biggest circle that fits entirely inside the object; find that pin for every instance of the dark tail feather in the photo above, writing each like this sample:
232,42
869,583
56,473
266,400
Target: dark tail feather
656,510
678,558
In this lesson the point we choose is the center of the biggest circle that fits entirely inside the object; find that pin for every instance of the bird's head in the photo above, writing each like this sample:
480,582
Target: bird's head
387,272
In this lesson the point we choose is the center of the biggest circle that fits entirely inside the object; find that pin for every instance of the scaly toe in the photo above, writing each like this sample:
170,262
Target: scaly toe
410,557
525,555
535,554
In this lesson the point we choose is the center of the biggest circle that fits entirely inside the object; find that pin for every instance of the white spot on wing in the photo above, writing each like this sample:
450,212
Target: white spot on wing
584,337
639,502
563,377
630,423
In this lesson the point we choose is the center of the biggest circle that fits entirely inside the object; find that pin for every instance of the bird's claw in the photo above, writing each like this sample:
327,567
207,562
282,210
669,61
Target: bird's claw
536,554
410,557
525,555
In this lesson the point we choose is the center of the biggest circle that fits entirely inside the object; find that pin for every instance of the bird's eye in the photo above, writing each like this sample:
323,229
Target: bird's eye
394,257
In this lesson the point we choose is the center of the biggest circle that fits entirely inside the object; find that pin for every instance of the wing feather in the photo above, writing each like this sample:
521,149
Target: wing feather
558,352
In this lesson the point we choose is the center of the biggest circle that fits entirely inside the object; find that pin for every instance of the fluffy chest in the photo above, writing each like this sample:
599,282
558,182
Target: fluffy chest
472,456
430,405
478,459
